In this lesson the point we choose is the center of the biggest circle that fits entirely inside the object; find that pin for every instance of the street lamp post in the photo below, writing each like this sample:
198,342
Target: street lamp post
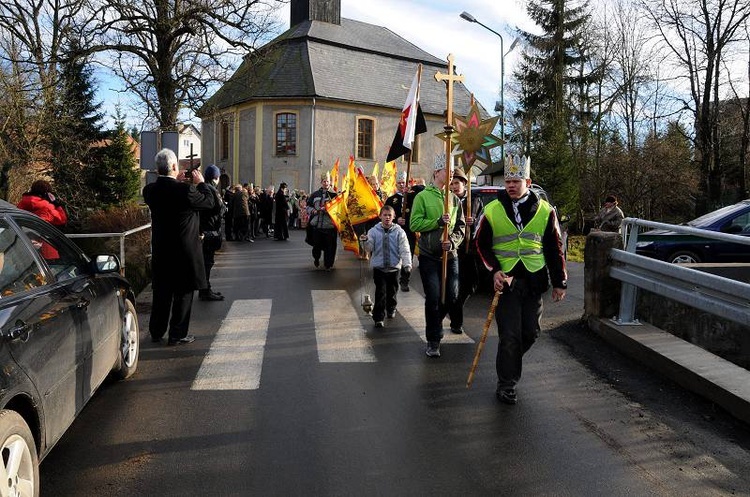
470,18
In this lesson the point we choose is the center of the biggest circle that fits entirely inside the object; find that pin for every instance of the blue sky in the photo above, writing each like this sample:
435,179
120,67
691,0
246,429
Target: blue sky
434,26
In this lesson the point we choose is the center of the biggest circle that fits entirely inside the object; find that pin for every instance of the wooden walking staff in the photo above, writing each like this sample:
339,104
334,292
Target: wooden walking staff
449,79
485,332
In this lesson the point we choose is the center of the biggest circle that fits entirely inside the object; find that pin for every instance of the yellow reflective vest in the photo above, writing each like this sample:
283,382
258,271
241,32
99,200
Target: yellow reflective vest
511,245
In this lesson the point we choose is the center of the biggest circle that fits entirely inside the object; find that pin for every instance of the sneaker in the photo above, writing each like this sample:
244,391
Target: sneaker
379,324
391,314
404,287
433,349
329,269
507,396
316,263
181,341
457,329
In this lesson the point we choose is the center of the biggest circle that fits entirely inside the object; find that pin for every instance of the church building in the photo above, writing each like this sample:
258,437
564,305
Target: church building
326,89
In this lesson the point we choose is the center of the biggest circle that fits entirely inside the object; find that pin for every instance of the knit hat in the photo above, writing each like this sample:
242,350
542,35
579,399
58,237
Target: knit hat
517,167
211,173
459,173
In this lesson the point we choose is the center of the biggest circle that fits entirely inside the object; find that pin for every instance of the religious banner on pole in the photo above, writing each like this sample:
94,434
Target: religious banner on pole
412,122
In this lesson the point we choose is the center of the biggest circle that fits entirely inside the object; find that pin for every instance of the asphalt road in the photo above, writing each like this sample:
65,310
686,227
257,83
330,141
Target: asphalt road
308,399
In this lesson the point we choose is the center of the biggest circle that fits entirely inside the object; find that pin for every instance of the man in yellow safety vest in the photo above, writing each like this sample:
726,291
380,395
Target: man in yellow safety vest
519,241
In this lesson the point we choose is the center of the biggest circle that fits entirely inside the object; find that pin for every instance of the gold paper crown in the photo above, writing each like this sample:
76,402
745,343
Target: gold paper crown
517,167
325,176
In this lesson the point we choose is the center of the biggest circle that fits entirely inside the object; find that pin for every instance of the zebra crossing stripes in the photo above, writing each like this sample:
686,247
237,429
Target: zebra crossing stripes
338,328
411,307
235,359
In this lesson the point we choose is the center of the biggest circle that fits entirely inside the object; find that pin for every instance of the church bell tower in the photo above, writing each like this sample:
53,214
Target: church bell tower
316,10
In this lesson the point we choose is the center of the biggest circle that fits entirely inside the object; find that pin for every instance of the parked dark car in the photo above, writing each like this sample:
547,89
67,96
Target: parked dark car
680,248
67,322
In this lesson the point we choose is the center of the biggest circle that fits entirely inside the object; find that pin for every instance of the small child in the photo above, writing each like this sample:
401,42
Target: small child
389,247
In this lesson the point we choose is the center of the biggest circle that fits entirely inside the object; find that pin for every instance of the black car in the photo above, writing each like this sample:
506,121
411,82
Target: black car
678,248
67,322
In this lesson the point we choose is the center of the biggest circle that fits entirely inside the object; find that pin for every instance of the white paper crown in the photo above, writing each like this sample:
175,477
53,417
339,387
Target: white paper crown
401,176
517,167
439,162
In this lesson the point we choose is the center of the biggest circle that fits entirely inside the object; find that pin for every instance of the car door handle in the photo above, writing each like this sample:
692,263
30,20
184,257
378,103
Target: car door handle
82,303
19,330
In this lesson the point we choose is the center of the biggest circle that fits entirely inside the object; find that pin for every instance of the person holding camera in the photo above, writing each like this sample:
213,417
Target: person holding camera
177,267
41,201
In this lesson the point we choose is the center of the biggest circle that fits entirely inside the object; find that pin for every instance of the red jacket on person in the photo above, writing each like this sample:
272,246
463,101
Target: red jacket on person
53,214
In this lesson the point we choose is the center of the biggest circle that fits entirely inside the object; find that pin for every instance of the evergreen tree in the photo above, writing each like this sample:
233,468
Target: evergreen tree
76,127
115,177
552,79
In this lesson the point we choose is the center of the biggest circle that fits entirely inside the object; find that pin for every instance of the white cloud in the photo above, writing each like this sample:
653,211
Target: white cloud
435,26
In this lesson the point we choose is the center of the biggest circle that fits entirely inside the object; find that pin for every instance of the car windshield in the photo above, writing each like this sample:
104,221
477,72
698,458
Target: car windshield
709,218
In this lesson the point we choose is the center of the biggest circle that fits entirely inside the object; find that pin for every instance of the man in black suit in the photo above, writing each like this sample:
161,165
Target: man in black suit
177,259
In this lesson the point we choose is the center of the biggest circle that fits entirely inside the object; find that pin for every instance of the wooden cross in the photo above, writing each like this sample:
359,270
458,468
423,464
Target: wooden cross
449,79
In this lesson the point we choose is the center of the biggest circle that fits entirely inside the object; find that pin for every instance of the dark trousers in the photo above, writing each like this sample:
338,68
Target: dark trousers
179,304
229,227
431,273
324,241
386,286
241,227
210,245
518,317
281,228
467,285
405,276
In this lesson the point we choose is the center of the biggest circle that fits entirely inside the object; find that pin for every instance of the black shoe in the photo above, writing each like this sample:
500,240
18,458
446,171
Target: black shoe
457,329
404,287
433,349
507,396
181,341
155,339
210,297
392,314
379,324
316,263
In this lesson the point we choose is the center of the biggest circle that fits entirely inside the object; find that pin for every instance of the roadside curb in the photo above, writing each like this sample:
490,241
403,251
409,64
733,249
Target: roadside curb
690,366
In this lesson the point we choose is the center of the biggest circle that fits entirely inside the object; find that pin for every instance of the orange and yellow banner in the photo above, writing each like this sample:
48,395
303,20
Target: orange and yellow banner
336,208
362,203
335,176
388,180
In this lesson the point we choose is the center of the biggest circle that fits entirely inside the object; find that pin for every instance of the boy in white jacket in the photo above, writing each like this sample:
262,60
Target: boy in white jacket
388,247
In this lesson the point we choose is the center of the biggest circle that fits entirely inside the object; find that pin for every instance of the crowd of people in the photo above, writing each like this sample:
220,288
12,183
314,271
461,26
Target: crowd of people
516,237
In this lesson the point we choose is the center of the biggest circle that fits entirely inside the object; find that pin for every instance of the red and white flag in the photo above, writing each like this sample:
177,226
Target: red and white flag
412,122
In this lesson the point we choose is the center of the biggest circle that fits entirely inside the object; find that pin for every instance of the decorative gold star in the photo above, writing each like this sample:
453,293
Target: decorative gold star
473,137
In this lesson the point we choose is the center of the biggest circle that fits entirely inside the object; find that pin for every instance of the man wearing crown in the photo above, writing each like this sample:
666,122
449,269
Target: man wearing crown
520,243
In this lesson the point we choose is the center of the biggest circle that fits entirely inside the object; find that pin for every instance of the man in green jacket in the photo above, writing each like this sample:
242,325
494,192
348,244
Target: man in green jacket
428,218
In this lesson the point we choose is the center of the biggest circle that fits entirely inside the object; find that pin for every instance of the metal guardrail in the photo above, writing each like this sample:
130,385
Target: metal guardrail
121,236
714,294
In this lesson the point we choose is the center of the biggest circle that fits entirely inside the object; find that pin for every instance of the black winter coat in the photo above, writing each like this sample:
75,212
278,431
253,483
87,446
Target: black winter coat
177,257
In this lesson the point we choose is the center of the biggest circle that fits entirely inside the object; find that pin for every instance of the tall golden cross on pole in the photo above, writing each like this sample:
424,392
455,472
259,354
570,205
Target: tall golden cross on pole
449,79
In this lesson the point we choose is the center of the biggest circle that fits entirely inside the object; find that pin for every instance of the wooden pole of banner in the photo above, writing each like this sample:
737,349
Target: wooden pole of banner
449,79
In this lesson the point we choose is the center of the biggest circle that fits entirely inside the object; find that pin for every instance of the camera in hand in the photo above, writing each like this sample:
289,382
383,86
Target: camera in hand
189,174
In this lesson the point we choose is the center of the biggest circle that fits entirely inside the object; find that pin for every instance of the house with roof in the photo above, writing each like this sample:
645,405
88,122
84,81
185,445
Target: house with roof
326,89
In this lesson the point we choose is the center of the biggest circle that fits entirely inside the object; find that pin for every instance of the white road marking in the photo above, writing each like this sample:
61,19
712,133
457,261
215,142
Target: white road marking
235,359
338,329
411,307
